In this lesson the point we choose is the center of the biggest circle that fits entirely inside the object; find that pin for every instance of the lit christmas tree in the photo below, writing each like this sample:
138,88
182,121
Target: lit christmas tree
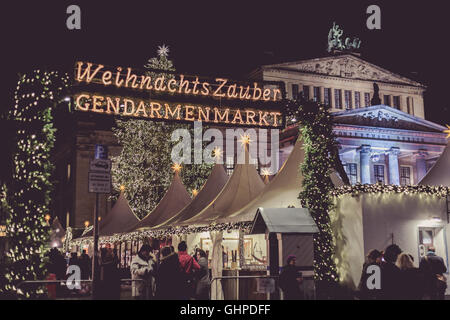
27,198
143,166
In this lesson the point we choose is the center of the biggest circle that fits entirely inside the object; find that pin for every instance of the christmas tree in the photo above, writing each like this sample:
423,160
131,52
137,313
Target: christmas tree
27,197
143,166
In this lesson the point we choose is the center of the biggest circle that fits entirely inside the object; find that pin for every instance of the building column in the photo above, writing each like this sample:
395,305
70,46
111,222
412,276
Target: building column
353,99
421,164
364,157
394,172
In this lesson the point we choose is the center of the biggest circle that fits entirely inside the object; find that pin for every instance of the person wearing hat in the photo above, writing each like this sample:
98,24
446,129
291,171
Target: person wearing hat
142,269
290,280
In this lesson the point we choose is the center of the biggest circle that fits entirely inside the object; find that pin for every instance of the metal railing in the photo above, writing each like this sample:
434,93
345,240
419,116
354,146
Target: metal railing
267,289
237,285
82,291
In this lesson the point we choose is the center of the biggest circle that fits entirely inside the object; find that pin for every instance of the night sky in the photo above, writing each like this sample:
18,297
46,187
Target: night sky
226,38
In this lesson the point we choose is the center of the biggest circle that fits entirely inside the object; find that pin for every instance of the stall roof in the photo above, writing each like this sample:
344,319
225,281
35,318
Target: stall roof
175,199
281,192
283,220
57,228
439,174
242,187
117,220
213,185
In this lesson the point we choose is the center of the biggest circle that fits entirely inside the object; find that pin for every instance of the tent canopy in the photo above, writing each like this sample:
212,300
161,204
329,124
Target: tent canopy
283,220
242,187
175,199
213,185
439,174
281,192
117,220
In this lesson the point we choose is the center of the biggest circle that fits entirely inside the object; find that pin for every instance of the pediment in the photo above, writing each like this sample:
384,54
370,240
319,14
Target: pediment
385,117
345,66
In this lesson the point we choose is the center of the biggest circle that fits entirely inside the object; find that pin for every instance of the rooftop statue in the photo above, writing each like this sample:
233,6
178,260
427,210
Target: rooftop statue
336,43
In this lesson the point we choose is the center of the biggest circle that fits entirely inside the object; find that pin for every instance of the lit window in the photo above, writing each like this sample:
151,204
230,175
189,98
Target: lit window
338,98
405,175
410,105
378,170
348,99
366,99
357,99
397,102
351,170
327,96
387,100
68,171
317,94
295,91
306,92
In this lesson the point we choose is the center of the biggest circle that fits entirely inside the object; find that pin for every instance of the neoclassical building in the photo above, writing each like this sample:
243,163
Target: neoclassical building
387,140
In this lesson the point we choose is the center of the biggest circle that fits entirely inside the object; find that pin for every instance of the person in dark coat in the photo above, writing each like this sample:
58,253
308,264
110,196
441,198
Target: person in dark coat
373,258
74,259
168,276
85,265
203,282
390,274
57,264
433,269
57,271
411,279
109,282
290,280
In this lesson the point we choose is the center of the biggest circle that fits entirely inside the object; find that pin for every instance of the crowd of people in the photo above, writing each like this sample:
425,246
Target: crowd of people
177,276
400,279
166,275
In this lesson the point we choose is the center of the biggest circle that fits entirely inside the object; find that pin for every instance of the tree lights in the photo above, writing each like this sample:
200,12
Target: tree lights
143,167
28,196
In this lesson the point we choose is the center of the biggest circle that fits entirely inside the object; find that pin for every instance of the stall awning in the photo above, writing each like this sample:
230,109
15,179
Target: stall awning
283,220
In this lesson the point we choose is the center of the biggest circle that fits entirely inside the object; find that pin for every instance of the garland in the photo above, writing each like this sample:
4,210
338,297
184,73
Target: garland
357,189
319,143
164,233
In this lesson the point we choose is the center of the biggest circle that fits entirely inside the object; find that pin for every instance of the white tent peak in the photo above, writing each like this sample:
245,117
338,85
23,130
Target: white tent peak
242,187
213,185
118,219
439,174
175,199
281,192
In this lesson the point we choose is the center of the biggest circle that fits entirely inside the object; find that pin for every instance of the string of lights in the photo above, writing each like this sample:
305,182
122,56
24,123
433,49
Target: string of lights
28,194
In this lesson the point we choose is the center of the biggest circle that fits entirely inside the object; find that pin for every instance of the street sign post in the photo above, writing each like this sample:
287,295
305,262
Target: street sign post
100,165
99,181
101,151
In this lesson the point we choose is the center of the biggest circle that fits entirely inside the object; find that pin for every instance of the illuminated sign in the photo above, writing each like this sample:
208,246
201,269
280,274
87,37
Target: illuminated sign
159,110
175,84
165,96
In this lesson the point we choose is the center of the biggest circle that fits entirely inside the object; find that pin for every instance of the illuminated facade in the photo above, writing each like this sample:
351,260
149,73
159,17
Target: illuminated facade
390,142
